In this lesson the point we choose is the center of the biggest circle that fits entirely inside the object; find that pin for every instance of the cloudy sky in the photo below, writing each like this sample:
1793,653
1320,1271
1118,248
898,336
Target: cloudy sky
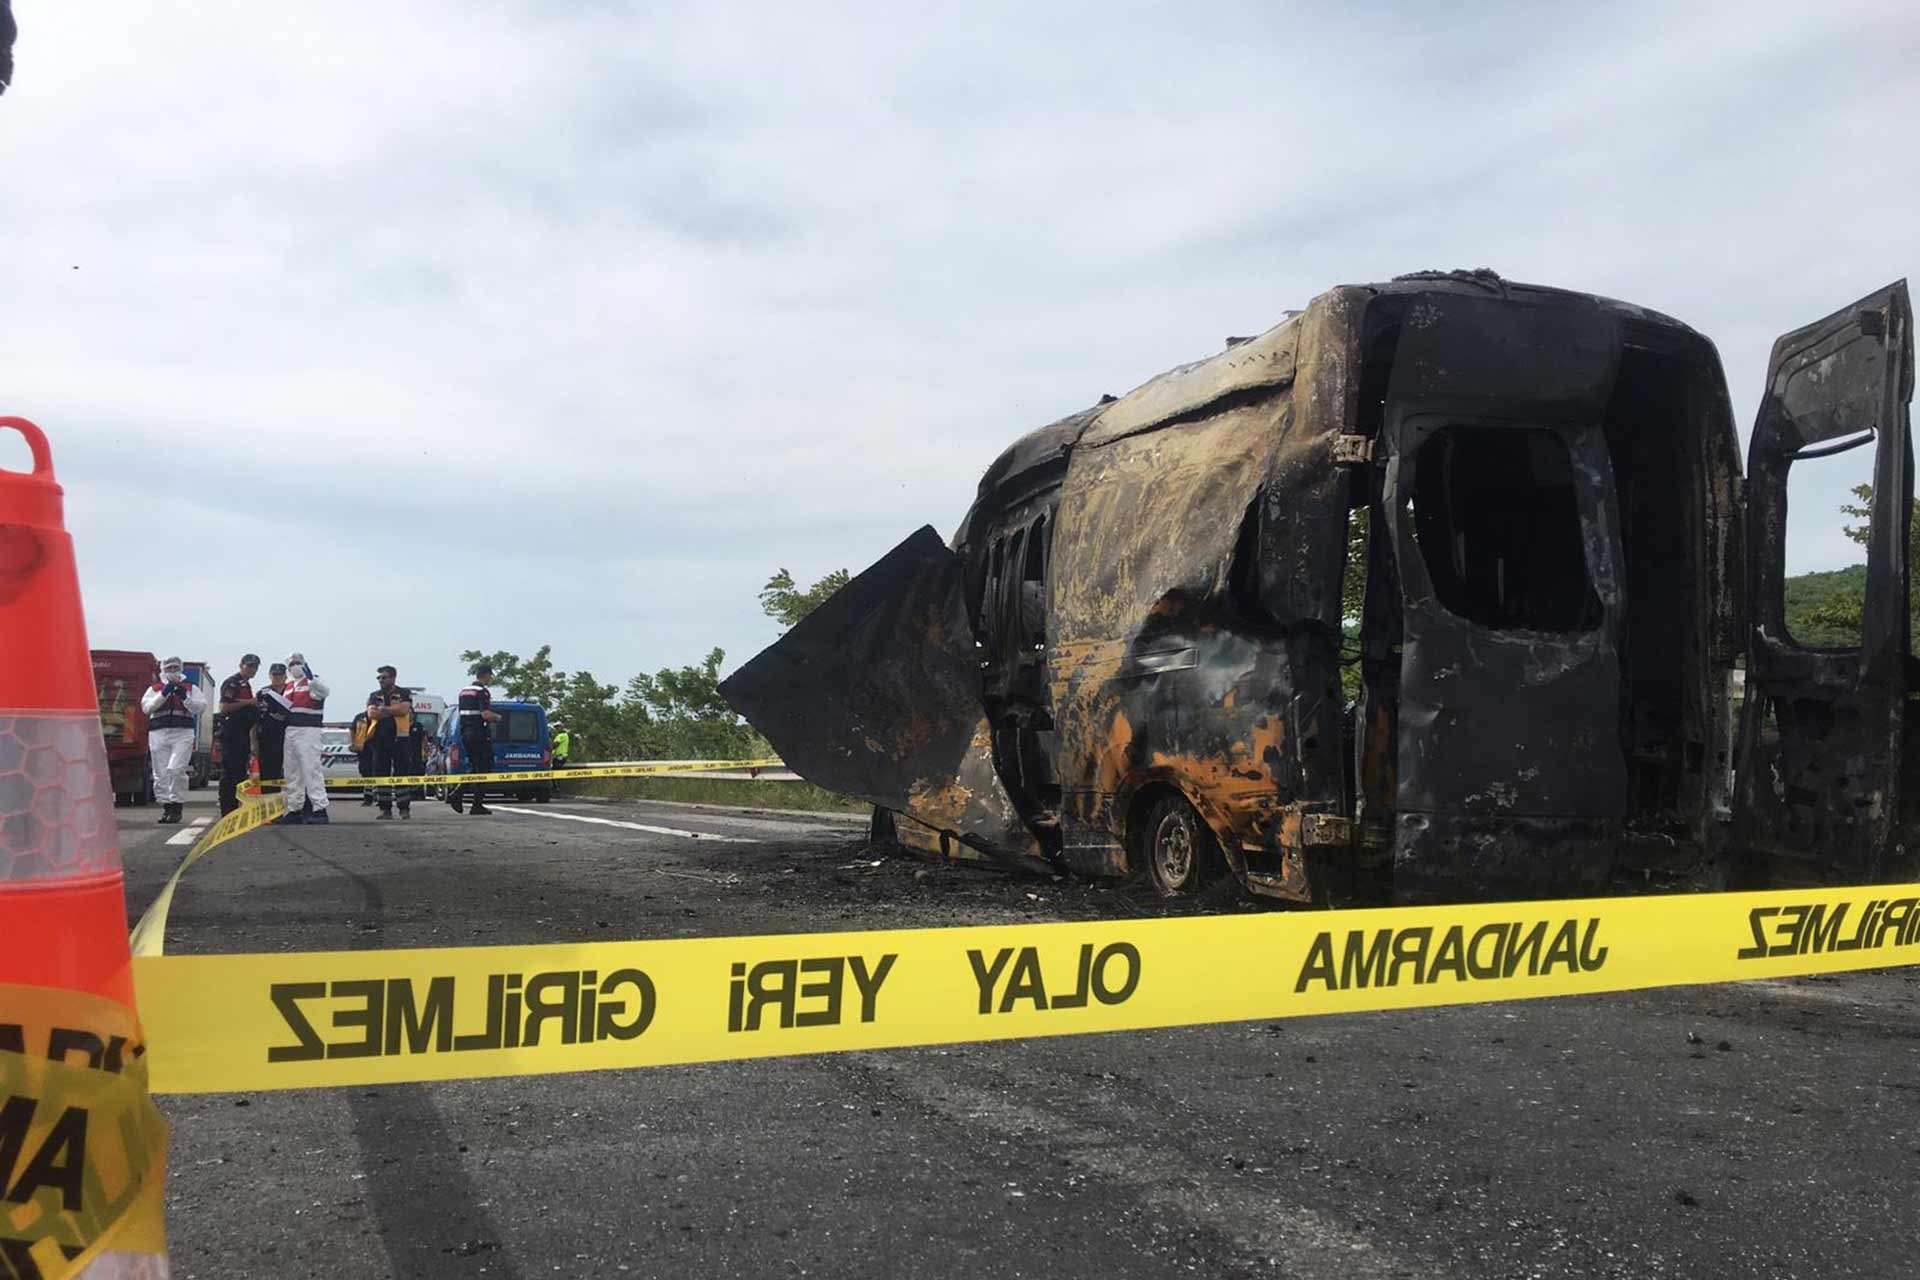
388,331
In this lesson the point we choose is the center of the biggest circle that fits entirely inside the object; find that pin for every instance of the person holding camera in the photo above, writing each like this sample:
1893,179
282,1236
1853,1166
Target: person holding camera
173,705
306,790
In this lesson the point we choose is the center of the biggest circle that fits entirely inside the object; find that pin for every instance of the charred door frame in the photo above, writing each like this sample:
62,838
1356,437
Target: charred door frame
1819,793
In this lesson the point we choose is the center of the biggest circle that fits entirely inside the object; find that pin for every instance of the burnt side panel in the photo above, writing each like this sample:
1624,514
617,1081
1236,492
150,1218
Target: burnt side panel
876,694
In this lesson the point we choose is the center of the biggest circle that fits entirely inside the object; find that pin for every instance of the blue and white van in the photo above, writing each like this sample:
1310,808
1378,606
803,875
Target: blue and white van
522,743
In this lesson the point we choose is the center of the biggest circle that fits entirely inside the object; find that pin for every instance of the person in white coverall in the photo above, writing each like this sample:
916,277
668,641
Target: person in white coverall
305,696
173,705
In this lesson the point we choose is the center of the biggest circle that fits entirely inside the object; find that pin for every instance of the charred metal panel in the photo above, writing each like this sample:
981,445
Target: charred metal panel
1303,530
1178,647
1477,355
1823,734
1147,530
876,694
1253,368
1005,543
1508,718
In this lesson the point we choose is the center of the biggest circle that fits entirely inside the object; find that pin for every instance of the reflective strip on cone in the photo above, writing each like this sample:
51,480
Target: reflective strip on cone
61,897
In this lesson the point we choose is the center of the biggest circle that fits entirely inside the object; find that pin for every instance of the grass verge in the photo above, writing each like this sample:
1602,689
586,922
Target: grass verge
728,791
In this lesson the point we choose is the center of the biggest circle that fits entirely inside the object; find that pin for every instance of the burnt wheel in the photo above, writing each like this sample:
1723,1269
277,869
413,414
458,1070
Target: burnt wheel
1176,849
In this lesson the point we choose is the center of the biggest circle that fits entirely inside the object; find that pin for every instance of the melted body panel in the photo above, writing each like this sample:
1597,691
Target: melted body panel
1145,606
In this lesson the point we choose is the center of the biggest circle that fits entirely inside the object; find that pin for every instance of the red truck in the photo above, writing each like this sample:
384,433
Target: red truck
119,678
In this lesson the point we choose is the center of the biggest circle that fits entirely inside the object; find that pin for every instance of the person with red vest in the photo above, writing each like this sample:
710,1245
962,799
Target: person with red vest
306,697
173,705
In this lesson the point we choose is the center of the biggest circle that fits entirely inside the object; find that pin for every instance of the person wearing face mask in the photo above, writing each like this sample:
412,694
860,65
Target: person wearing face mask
306,698
173,705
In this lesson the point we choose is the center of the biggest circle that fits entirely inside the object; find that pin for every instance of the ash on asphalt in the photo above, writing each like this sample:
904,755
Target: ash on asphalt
875,883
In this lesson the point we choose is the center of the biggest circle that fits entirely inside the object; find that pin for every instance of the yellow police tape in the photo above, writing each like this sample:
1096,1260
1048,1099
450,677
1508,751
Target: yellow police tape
83,1149
370,1017
149,936
573,773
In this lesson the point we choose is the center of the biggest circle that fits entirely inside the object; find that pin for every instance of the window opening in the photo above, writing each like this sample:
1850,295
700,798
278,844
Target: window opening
1829,501
520,727
990,593
1353,597
1496,516
1032,601
1010,583
1036,551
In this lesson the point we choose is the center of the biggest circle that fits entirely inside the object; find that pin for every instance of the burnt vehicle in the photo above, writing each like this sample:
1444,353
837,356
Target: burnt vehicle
1128,660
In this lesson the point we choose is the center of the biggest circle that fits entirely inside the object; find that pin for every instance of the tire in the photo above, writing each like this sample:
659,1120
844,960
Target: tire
541,795
1176,849
145,795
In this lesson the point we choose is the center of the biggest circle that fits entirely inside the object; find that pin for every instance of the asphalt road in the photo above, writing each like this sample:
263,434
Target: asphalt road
1766,1129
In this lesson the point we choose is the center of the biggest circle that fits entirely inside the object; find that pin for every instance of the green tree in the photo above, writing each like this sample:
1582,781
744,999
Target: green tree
1825,609
599,730
785,603
1353,597
676,713
687,717
530,680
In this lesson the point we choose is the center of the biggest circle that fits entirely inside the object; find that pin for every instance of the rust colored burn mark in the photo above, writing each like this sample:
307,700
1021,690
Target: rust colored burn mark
916,732
1115,756
1223,785
940,805
1377,762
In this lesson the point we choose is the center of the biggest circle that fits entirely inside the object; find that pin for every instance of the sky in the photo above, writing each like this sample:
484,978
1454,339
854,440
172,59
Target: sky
387,332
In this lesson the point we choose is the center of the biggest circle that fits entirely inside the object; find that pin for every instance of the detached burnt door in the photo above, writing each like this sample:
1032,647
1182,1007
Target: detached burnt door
1819,792
876,694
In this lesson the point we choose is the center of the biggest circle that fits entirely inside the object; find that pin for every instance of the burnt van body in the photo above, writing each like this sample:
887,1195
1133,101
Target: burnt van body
1129,658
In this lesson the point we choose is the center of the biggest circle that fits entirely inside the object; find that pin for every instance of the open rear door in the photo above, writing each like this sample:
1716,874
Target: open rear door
1819,797
876,694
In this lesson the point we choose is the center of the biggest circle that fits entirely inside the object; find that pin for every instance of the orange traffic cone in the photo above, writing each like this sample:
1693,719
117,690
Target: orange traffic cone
69,1039
63,915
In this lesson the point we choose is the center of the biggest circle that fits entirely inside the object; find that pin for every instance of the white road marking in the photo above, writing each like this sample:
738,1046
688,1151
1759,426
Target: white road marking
201,822
800,824
187,836
626,826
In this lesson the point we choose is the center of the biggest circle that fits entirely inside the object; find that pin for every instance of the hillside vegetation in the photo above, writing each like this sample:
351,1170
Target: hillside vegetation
1823,609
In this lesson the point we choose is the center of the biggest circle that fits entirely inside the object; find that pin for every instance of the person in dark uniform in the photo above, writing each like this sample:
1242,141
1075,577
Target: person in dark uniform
274,710
477,717
234,726
390,741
